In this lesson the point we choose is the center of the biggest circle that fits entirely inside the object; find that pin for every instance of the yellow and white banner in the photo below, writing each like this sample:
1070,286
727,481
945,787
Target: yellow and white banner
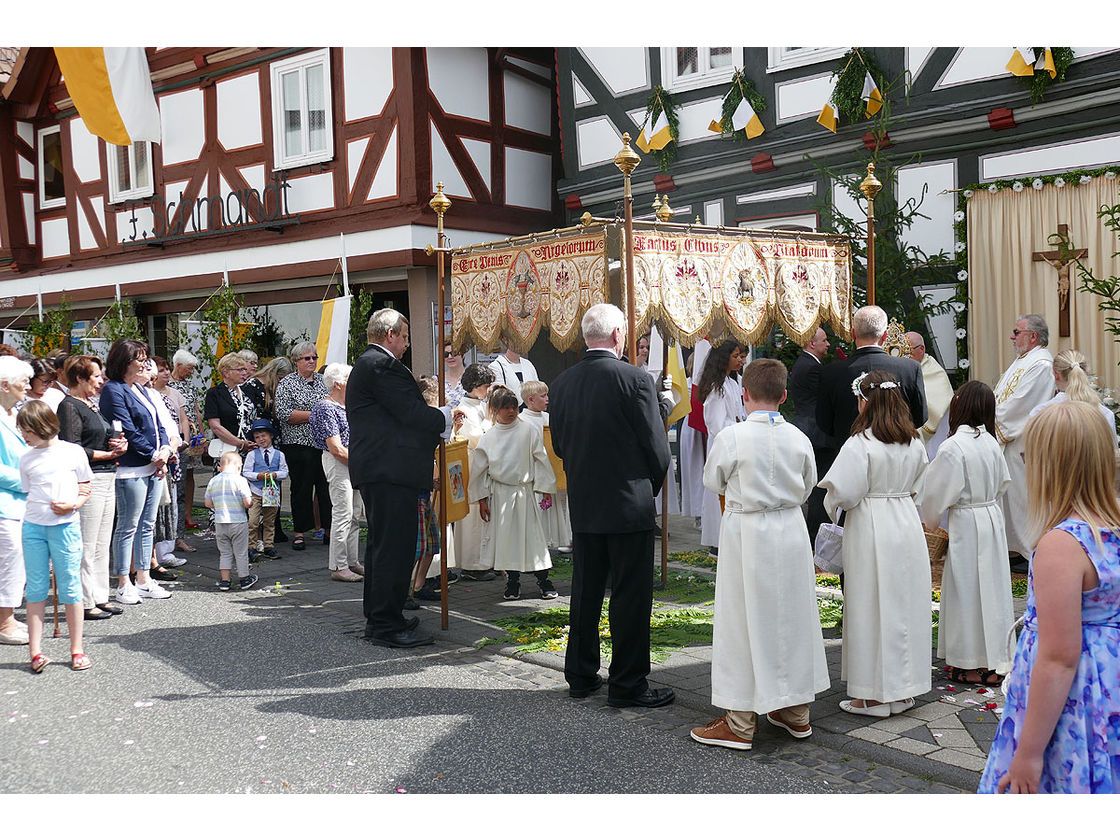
112,91
658,137
333,342
872,96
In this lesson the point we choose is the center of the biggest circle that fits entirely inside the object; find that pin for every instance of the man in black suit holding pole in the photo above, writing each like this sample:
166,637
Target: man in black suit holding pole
393,438
804,384
608,430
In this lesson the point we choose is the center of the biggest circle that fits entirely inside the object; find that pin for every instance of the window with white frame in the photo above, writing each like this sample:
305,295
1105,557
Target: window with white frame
301,110
130,171
51,190
683,68
782,58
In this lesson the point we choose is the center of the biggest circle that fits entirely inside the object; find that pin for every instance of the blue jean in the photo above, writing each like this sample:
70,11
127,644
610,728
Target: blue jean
137,503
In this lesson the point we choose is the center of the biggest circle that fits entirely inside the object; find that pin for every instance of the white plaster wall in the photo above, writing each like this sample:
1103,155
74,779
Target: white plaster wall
531,66
803,97
1058,157
385,181
98,205
597,140
26,132
171,193
846,204
29,216
915,58
695,117
26,168
355,151
528,179
795,191
528,105
183,126
580,94
943,327
144,223
623,69
254,176
314,192
84,152
713,212
458,77
973,64
367,79
239,112
444,168
935,233
86,239
479,150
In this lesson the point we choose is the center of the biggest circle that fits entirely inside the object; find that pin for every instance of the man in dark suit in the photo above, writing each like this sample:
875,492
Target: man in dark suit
393,437
836,404
804,383
607,429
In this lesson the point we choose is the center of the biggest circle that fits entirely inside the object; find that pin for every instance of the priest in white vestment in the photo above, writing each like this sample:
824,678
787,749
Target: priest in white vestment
1028,382
939,391
767,647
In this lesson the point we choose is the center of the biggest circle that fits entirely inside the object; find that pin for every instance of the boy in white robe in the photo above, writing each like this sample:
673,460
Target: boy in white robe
509,469
557,521
767,647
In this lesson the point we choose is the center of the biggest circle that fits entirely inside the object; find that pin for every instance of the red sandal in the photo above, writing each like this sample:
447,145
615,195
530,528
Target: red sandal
39,662
79,662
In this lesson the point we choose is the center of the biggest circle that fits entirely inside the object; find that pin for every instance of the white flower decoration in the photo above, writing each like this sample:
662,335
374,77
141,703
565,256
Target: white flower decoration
1037,183
963,364
962,275
1017,186
1110,174
1085,179
958,216
962,332
993,189
1059,182
967,194
958,306
960,247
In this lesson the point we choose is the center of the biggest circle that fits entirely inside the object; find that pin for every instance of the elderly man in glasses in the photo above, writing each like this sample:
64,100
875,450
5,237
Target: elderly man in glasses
1028,382
296,395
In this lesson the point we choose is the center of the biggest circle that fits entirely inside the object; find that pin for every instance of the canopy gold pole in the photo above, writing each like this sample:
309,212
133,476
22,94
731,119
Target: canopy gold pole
664,214
870,187
441,204
627,160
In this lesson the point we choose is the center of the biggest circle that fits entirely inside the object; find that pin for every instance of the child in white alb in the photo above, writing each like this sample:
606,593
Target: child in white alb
767,648
557,522
509,470
56,477
228,495
260,463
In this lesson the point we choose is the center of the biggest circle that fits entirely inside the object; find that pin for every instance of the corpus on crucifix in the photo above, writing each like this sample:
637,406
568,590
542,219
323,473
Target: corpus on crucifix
1061,259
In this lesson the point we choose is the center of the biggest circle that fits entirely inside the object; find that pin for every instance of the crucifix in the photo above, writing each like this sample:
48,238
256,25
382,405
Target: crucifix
1061,259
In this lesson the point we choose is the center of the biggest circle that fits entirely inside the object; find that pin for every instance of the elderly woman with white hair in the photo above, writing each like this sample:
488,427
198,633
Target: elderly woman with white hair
330,431
296,395
15,377
183,366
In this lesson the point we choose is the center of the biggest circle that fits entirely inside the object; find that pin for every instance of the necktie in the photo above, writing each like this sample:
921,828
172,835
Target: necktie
266,461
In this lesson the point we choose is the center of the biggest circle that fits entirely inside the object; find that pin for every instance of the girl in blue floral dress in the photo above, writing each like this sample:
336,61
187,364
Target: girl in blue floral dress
1060,731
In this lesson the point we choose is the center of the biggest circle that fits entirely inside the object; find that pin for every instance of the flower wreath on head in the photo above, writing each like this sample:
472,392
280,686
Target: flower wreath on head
857,384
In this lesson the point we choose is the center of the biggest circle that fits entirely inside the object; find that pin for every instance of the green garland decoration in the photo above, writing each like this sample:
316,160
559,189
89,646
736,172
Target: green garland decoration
51,331
659,101
119,321
1063,58
741,88
847,94
960,300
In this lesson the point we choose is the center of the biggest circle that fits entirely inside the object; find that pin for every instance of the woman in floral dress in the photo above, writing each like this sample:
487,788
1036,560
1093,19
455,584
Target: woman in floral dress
1060,731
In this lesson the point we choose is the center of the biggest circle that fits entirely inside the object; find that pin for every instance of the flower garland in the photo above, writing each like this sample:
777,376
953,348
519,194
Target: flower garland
847,92
1063,57
659,101
1074,177
741,88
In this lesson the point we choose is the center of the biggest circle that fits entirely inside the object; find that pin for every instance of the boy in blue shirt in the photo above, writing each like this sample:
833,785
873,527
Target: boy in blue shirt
260,463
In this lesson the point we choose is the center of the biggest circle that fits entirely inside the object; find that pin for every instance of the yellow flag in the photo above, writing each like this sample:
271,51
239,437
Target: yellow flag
872,96
1019,65
680,385
333,341
716,127
112,92
827,117
660,135
745,118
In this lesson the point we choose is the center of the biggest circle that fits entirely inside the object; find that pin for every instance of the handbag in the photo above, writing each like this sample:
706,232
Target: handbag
828,550
270,493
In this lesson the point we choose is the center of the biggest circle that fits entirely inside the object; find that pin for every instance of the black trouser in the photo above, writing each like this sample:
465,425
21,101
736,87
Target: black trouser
305,471
816,516
394,524
625,563
514,577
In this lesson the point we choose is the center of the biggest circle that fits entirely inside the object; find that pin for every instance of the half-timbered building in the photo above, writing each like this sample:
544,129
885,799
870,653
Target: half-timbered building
267,156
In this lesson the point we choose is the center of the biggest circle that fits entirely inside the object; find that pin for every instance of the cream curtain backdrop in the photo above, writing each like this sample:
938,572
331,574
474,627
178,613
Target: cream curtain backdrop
1004,230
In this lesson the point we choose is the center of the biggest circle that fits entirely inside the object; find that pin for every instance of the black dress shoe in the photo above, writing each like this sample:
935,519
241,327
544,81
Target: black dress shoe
97,614
651,699
580,693
110,608
411,604
410,624
162,574
402,639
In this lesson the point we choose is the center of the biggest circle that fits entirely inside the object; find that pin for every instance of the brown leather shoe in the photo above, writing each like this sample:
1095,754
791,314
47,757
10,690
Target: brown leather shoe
358,569
796,731
719,734
345,575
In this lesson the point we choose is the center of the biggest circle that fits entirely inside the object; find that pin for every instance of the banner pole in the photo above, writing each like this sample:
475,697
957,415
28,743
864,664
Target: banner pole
440,204
626,160
665,486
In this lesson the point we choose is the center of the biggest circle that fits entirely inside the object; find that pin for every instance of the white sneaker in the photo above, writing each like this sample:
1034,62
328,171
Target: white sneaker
151,589
170,561
127,594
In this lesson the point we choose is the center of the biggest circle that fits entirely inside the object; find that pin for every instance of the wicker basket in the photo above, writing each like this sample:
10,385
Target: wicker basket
937,541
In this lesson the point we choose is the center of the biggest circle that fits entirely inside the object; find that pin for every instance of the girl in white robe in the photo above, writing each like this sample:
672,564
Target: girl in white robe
557,520
723,405
510,468
692,444
470,530
767,647
887,637
967,478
